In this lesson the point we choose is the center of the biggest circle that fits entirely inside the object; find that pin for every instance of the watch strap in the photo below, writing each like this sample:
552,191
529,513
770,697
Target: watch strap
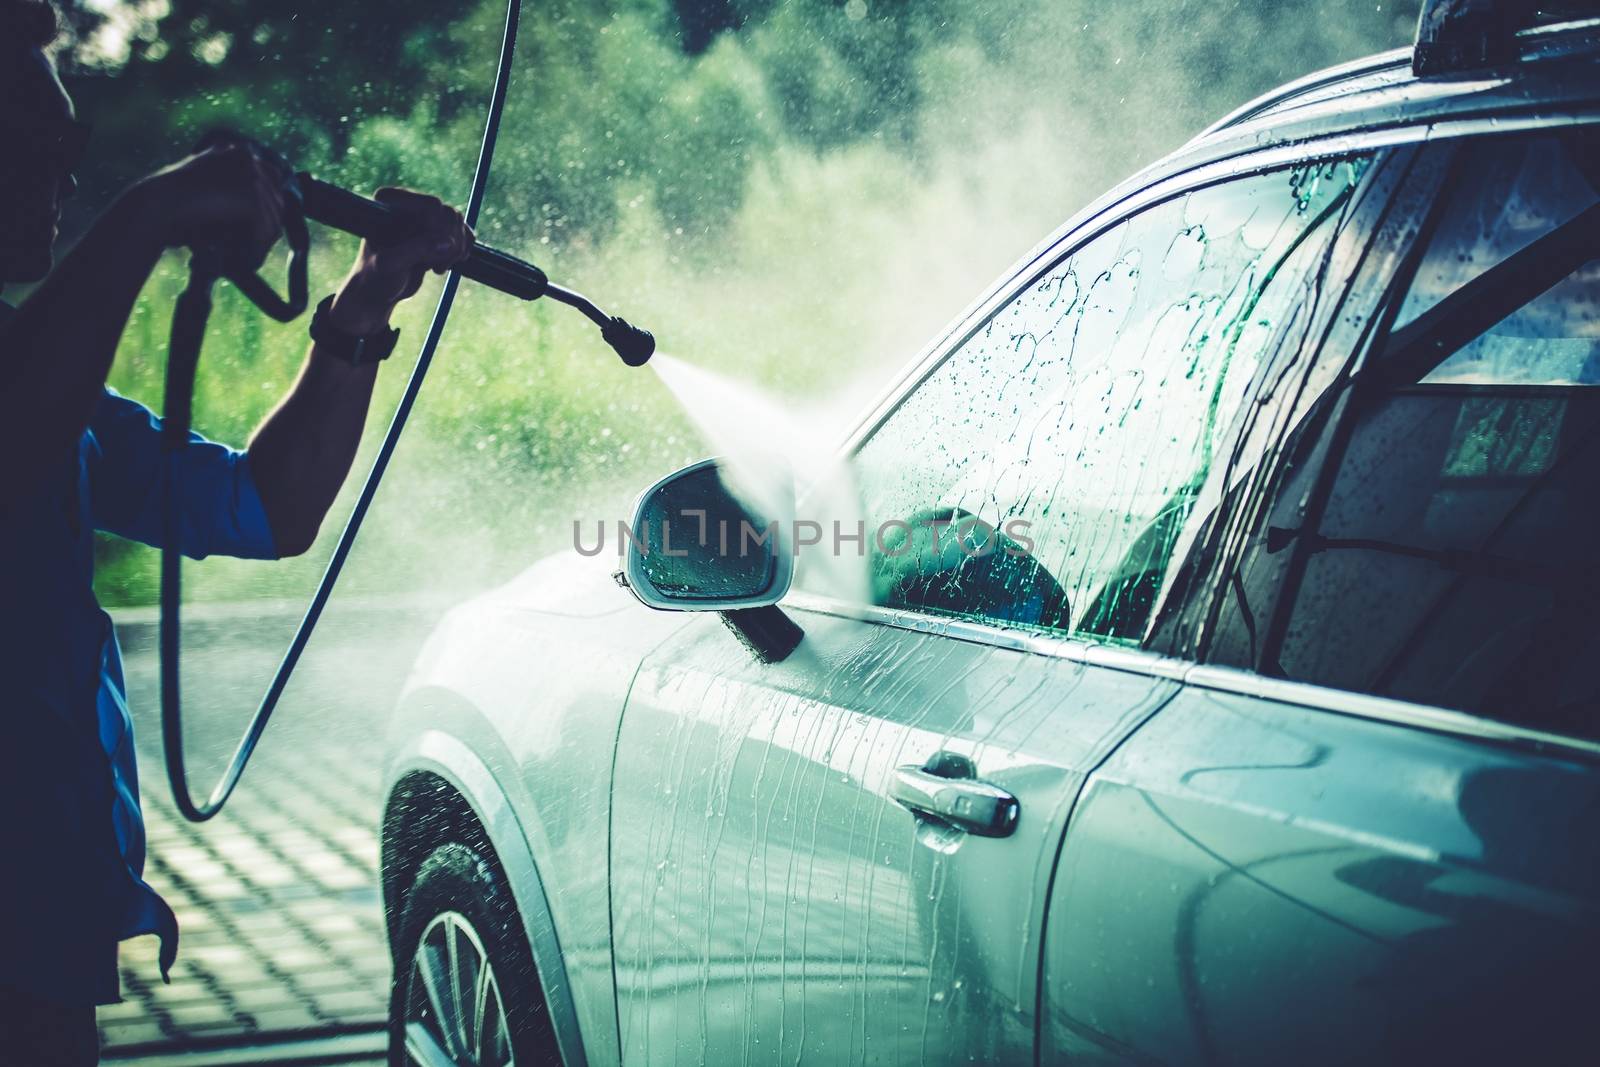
355,350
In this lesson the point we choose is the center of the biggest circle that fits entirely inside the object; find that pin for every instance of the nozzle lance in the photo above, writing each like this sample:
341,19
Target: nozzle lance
344,210
634,345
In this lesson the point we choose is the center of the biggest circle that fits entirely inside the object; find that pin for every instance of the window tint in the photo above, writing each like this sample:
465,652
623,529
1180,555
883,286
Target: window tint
1453,563
1065,441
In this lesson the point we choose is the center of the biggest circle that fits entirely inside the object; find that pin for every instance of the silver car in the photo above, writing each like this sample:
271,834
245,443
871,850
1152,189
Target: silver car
1187,661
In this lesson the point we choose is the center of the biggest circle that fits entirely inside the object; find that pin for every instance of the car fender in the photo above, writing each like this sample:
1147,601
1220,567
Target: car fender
438,753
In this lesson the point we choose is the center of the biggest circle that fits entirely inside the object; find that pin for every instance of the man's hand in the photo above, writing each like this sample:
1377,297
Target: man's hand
386,272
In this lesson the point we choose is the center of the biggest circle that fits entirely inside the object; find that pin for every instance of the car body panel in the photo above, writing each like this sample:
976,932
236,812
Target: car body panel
771,901
1256,881
496,676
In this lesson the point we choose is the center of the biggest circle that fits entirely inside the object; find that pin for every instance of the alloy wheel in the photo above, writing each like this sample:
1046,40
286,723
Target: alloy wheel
454,1014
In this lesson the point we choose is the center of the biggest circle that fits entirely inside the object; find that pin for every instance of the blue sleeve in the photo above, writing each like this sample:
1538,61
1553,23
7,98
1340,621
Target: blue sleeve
222,513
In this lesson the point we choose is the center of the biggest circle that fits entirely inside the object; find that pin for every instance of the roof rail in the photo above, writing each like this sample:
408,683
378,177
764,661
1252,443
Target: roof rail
1463,35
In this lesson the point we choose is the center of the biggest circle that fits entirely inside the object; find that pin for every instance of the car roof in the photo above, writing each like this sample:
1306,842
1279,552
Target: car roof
1556,64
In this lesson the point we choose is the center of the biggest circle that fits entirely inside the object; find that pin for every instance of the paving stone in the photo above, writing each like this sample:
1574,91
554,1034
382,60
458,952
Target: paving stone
190,1016
244,853
357,946
254,917
232,1026
333,980
185,993
344,878
376,963
298,1017
296,891
221,955
261,998
244,974
200,921
224,888
315,907
131,1032
350,1001
127,1011
207,935
290,935
197,872
272,873
185,857
299,959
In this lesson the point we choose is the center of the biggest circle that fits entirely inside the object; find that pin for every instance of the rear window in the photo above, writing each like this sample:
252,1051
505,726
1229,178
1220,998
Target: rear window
1455,560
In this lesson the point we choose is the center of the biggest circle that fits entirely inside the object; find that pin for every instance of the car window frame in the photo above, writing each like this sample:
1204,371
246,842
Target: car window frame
1190,170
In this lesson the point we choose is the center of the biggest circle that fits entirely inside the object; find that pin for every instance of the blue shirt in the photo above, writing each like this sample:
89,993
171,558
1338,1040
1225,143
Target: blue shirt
72,837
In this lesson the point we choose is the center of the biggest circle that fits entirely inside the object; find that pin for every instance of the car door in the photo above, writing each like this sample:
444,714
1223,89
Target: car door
1369,832
845,856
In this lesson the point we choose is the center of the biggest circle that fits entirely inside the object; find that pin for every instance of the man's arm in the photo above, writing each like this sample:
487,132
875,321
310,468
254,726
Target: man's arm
60,344
301,453
60,349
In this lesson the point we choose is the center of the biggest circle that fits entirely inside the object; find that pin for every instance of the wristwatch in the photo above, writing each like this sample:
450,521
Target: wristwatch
357,351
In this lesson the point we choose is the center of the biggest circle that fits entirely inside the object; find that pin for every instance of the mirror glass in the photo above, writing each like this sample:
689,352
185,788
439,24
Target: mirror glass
695,541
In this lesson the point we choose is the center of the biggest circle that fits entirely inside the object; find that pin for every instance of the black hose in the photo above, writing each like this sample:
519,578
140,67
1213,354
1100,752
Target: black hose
188,330
183,355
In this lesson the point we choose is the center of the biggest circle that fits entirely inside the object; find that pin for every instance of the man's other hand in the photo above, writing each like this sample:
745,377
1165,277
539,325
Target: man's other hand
435,238
225,196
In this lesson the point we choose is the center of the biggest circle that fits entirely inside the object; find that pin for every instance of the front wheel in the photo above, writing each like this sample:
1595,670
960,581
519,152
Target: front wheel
466,993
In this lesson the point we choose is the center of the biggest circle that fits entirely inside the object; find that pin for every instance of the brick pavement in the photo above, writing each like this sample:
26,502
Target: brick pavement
277,898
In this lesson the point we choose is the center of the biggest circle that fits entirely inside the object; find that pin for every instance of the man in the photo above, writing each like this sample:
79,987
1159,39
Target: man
75,457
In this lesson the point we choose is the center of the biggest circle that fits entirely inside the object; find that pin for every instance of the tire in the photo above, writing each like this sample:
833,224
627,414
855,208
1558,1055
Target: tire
460,904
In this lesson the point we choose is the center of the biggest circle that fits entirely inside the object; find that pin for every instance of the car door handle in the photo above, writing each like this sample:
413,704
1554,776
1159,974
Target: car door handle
965,803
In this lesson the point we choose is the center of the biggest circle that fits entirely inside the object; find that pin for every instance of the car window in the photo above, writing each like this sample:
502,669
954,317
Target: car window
1453,562
1041,474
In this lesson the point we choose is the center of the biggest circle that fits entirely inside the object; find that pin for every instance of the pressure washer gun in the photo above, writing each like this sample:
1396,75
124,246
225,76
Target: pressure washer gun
308,198
305,198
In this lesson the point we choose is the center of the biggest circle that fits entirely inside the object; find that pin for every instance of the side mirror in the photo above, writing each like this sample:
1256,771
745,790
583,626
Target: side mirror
705,539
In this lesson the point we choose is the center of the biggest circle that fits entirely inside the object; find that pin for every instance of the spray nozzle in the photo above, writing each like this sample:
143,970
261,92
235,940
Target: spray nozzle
634,345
